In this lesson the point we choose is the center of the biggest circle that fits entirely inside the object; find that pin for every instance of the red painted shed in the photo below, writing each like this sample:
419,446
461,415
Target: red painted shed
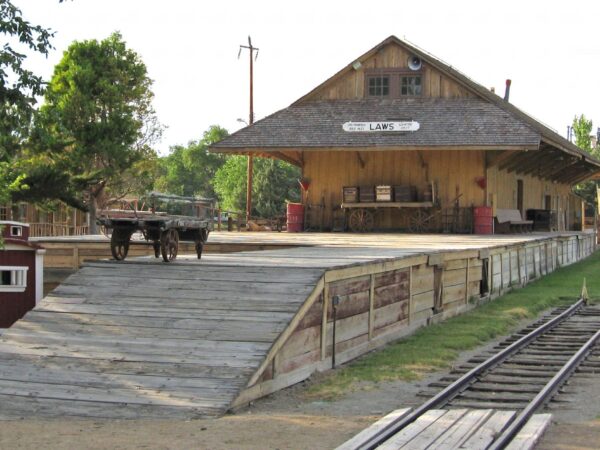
21,272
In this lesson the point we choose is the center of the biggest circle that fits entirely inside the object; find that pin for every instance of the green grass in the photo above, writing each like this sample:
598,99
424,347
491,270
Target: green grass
437,346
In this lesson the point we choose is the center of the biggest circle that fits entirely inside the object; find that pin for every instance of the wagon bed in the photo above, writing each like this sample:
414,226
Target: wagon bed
160,229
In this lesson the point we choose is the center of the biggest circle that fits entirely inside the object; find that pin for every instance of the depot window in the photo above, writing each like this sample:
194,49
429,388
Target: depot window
13,278
379,86
386,83
410,85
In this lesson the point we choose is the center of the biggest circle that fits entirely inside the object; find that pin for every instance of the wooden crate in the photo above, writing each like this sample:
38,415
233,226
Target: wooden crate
366,193
383,193
350,194
405,193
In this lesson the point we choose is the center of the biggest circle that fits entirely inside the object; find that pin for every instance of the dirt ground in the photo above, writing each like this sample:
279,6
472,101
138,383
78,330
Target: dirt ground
288,420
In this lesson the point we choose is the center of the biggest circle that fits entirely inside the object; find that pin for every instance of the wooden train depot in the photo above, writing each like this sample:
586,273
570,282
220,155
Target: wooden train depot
397,117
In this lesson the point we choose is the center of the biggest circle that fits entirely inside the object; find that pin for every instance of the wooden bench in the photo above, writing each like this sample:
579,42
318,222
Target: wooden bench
510,220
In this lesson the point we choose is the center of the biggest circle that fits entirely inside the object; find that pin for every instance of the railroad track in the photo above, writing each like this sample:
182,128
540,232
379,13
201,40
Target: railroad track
521,374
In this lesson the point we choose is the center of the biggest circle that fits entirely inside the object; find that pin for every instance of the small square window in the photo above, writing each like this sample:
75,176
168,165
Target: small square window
16,231
410,86
13,279
379,86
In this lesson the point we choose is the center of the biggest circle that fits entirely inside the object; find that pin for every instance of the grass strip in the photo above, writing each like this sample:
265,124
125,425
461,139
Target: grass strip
436,347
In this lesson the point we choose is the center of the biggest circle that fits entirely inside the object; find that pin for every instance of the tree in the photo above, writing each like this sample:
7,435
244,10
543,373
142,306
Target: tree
582,128
275,182
18,89
97,120
189,171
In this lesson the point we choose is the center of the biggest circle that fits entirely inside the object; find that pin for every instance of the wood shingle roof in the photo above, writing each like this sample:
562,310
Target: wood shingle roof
443,123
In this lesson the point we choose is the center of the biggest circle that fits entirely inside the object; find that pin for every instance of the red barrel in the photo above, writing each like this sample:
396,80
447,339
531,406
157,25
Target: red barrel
483,220
295,217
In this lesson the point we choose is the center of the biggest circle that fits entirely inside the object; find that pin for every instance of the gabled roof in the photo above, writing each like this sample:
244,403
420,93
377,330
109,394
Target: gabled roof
267,133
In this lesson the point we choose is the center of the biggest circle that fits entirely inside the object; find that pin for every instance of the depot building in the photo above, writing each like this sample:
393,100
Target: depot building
398,138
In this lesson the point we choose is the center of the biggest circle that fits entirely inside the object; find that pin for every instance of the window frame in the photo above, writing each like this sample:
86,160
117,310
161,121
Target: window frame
18,278
395,77
381,76
406,76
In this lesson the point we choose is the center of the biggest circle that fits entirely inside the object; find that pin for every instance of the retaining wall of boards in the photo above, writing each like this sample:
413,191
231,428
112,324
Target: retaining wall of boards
379,302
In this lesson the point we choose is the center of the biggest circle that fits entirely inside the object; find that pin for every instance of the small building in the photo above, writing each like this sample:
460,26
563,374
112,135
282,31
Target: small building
398,117
62,220
21,272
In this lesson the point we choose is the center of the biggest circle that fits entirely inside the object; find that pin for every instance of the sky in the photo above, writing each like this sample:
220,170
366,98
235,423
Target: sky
550,49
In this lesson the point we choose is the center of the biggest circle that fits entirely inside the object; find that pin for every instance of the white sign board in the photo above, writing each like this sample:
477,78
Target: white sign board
381,127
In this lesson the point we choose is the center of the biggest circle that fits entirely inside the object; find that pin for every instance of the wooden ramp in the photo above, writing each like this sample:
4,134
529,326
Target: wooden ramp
146,339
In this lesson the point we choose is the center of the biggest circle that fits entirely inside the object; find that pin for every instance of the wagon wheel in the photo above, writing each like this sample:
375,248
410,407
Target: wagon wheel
361,220
119,243
200,240
169,244
418,221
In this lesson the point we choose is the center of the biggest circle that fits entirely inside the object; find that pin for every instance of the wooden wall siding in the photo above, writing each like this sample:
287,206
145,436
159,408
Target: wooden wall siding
502,187
452,171
403,300
352,84
14,305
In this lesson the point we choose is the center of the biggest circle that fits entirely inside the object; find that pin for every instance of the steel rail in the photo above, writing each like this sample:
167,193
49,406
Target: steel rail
463,382
544,395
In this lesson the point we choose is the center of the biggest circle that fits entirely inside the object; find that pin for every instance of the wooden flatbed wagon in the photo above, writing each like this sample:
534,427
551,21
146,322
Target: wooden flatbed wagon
360,216
182,219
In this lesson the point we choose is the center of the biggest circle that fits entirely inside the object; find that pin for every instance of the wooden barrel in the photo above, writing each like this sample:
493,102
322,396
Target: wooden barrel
483,220
295,217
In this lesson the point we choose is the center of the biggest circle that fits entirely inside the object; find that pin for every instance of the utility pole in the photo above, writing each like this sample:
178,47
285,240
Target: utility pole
251,49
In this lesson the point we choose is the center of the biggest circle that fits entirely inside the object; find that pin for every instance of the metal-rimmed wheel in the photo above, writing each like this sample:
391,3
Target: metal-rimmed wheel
169,244
361,220
201,239
119,243
417,221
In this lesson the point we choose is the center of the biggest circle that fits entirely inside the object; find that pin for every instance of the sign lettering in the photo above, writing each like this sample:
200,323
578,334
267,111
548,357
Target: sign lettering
387,126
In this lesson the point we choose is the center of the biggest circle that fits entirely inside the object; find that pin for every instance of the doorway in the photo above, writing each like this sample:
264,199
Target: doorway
520,196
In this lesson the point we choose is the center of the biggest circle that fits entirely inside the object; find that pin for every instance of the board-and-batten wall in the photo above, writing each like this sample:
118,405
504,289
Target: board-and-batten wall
502,190
329,171
352,84
454,172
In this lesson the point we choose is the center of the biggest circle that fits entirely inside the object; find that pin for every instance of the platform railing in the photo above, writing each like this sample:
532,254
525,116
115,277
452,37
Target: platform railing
56,229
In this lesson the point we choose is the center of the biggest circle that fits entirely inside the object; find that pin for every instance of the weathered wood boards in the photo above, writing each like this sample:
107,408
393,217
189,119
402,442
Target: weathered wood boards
147,340
473,429
195,338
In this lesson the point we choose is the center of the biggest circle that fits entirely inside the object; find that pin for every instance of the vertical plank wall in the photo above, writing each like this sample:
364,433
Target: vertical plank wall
381,302
329,171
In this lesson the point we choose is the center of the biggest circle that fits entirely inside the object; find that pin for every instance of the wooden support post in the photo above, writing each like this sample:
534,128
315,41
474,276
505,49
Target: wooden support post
410,295
519,273
371,306
75,262
467,284
324,321
491,277
501,275
510,280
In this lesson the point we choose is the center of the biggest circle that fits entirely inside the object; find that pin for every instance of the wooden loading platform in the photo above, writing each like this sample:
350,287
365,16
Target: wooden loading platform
145,339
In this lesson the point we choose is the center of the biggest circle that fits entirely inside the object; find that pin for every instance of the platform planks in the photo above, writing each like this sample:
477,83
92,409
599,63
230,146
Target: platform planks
469,429
145,339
